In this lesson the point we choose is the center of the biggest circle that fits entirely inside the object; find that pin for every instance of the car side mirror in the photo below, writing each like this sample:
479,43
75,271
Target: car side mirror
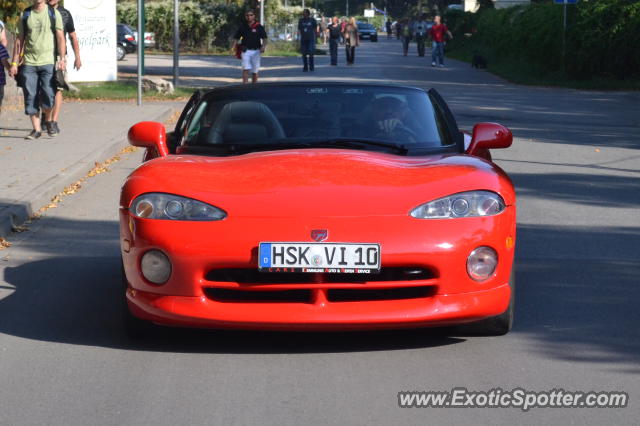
151,135
489,136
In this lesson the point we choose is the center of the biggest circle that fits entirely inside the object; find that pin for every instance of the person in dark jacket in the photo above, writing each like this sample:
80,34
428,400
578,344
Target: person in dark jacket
251,40
308,29
334,33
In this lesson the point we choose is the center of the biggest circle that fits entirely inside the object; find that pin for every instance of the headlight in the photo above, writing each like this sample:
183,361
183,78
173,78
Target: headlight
464,204
173,207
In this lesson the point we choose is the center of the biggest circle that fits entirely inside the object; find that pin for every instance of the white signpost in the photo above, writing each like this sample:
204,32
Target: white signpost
95,22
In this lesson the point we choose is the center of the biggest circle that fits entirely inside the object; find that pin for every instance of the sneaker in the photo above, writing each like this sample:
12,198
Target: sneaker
305,69
50,126
433,64
441,65
33,135
54,125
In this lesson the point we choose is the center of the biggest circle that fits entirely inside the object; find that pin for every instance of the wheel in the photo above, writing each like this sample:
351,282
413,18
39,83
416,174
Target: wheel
134,327
120,52
498,325
374,39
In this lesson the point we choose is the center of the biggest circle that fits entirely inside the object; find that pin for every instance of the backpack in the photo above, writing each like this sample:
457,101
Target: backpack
52,18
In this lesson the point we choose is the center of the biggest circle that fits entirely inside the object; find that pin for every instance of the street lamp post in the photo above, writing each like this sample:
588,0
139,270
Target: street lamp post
176,44
262,12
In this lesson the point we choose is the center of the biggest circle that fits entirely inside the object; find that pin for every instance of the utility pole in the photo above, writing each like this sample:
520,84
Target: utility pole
262,12
140,48
176,44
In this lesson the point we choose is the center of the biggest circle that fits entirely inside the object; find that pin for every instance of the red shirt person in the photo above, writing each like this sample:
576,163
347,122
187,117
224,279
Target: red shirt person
437,33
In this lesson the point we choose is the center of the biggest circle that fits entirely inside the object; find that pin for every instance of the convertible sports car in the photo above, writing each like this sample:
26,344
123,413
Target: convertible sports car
318,206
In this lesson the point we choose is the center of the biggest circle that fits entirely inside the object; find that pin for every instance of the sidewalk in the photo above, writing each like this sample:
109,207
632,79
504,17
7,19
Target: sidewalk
34,171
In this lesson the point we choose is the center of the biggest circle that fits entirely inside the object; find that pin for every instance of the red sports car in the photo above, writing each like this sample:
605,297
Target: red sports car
318,206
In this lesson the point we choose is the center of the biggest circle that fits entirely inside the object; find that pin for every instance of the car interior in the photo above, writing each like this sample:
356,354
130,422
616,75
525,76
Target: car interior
311,117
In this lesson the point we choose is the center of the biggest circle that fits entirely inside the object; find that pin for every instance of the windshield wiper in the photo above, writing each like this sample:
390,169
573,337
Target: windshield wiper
241,148
357,142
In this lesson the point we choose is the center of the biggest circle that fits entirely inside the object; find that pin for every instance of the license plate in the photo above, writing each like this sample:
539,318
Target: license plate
350,258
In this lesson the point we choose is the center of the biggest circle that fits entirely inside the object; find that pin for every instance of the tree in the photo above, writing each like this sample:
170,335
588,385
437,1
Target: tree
11,10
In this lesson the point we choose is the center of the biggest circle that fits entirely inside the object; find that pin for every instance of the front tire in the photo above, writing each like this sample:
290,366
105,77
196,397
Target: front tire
498,325
134,327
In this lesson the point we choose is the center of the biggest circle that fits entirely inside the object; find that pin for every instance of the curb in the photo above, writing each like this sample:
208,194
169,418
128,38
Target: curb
21,210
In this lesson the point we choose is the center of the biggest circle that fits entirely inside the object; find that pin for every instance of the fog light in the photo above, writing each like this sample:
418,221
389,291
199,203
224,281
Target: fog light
155,267
481,263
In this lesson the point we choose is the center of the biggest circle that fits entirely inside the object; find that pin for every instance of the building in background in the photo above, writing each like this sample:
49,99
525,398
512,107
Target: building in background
472,5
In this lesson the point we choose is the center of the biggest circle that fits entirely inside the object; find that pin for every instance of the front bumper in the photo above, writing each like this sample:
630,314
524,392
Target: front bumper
198,250
438,310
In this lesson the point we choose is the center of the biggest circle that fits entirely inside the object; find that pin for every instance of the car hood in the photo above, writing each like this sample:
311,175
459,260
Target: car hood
316,182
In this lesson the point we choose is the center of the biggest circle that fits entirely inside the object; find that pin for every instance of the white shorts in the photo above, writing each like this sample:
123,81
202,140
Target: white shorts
251,61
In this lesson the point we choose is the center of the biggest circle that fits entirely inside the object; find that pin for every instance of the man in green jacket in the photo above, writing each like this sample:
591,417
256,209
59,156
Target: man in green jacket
40,35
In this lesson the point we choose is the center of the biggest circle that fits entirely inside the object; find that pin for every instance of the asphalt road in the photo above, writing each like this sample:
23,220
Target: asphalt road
576,165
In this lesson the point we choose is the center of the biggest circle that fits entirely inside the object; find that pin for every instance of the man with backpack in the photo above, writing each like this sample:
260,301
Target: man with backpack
40,38
70,30
420,32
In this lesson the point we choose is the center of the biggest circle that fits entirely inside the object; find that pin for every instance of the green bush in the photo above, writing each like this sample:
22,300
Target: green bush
202,25
602,38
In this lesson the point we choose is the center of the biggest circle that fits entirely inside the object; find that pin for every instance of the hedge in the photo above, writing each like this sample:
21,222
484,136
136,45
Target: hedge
602,38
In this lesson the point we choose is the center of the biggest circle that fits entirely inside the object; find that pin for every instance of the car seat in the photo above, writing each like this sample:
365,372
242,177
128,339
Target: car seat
245,121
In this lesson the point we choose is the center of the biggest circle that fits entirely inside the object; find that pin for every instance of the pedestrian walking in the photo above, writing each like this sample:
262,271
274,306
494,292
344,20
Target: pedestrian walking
40,38
251,40
334,34
420,33
388,28
405,30
351,40
437,34
323,30
70,31
343,24
308,29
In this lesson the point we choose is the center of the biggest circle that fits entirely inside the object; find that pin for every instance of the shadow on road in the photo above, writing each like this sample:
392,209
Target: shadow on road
580,307
75,299
588,189
577,309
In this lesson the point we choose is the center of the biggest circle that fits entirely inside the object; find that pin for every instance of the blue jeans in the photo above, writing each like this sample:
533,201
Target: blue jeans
307,48
437,53
333,49
38,88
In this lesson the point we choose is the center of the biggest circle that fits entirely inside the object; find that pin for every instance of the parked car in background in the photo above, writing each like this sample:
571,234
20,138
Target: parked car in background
367,30
149,38
126,42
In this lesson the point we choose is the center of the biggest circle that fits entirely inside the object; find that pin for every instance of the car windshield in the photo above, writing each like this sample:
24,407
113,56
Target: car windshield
258,118
365,26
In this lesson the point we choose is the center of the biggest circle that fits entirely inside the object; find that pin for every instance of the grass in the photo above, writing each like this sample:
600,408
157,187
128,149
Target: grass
528,74
122,90
274,48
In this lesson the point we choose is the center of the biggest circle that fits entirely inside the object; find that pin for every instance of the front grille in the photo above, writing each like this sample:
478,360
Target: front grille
253,276
248,296
305,295
364,295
